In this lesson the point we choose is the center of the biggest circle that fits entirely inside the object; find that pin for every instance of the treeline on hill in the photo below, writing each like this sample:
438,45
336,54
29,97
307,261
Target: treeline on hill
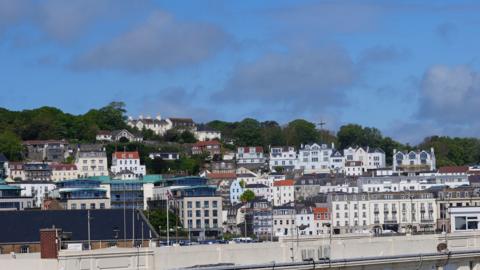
51,123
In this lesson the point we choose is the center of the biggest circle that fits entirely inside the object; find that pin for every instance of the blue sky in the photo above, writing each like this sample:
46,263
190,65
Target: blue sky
409,68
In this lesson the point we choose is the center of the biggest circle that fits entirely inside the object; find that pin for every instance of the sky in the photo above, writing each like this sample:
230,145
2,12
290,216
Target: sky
408,68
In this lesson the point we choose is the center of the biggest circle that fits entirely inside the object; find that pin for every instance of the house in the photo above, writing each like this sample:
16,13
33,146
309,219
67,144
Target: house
207,147
283,192
401,212
414,161
82,194
314,158
282,158
259,219
12,199
322,220
122,161
39,190
14,171
337,162
369,158
205,133
305,221
37,171
354,168
46,150
260,190
284,220
250,157
117,135
183,124
64,171
310,185
91,160
397,183
108,227
454,170
158,125
223,166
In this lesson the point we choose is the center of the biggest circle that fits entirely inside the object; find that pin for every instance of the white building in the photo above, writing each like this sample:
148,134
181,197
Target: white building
236,190
370,158
375,212
39,190
283,157
284,220
354,168
158,125
464,219
283,192
91,162
250,157
127,161
414,161
64,172
260,190
413,182
204,133
305,222
314,158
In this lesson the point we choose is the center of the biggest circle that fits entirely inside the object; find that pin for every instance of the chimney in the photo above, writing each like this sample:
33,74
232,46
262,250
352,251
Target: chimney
49,243
158,117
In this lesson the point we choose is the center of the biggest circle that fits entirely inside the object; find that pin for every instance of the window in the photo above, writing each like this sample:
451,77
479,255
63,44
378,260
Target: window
189,204
83,206
92,206
198,204
25,249
73,206
206,204
189,213
206,213
198,213
102,205
215,213
214,204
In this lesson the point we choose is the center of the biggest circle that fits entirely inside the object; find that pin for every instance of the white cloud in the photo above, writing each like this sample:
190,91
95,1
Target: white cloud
162,42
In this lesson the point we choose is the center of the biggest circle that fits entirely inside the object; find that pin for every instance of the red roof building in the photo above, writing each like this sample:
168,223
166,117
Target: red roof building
211,147
284,183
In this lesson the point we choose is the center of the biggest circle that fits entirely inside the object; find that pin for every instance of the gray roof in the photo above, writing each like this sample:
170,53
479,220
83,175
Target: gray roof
3,158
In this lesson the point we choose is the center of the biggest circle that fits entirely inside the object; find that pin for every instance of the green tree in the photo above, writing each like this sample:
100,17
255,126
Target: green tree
10,146
247,196
158,220
248,133
300,132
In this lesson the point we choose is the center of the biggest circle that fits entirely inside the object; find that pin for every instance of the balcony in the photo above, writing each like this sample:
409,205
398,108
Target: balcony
427,220
390,221
376,221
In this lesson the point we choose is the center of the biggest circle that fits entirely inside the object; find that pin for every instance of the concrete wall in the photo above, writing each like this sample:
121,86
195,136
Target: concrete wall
353,247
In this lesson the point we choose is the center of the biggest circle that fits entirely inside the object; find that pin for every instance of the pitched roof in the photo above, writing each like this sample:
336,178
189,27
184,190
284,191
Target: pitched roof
284,183
3,158
318,210
63,167
453,169
126,155
24,226
205,143
256,186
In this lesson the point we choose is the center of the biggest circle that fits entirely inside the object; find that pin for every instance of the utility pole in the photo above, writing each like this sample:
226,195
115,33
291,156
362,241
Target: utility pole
168,225
124,216
133,224
321,124
88,228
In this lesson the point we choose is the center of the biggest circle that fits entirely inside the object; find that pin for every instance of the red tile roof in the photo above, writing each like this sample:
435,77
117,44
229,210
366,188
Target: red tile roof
284,183
205,143
63,167
126,155
453,169
318,210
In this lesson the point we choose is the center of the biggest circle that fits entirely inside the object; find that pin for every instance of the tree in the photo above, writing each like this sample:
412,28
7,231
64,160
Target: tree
300,132
11,146
158,219
248,133
247,196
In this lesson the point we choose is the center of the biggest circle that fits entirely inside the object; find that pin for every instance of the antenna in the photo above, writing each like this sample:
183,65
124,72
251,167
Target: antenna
321,124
